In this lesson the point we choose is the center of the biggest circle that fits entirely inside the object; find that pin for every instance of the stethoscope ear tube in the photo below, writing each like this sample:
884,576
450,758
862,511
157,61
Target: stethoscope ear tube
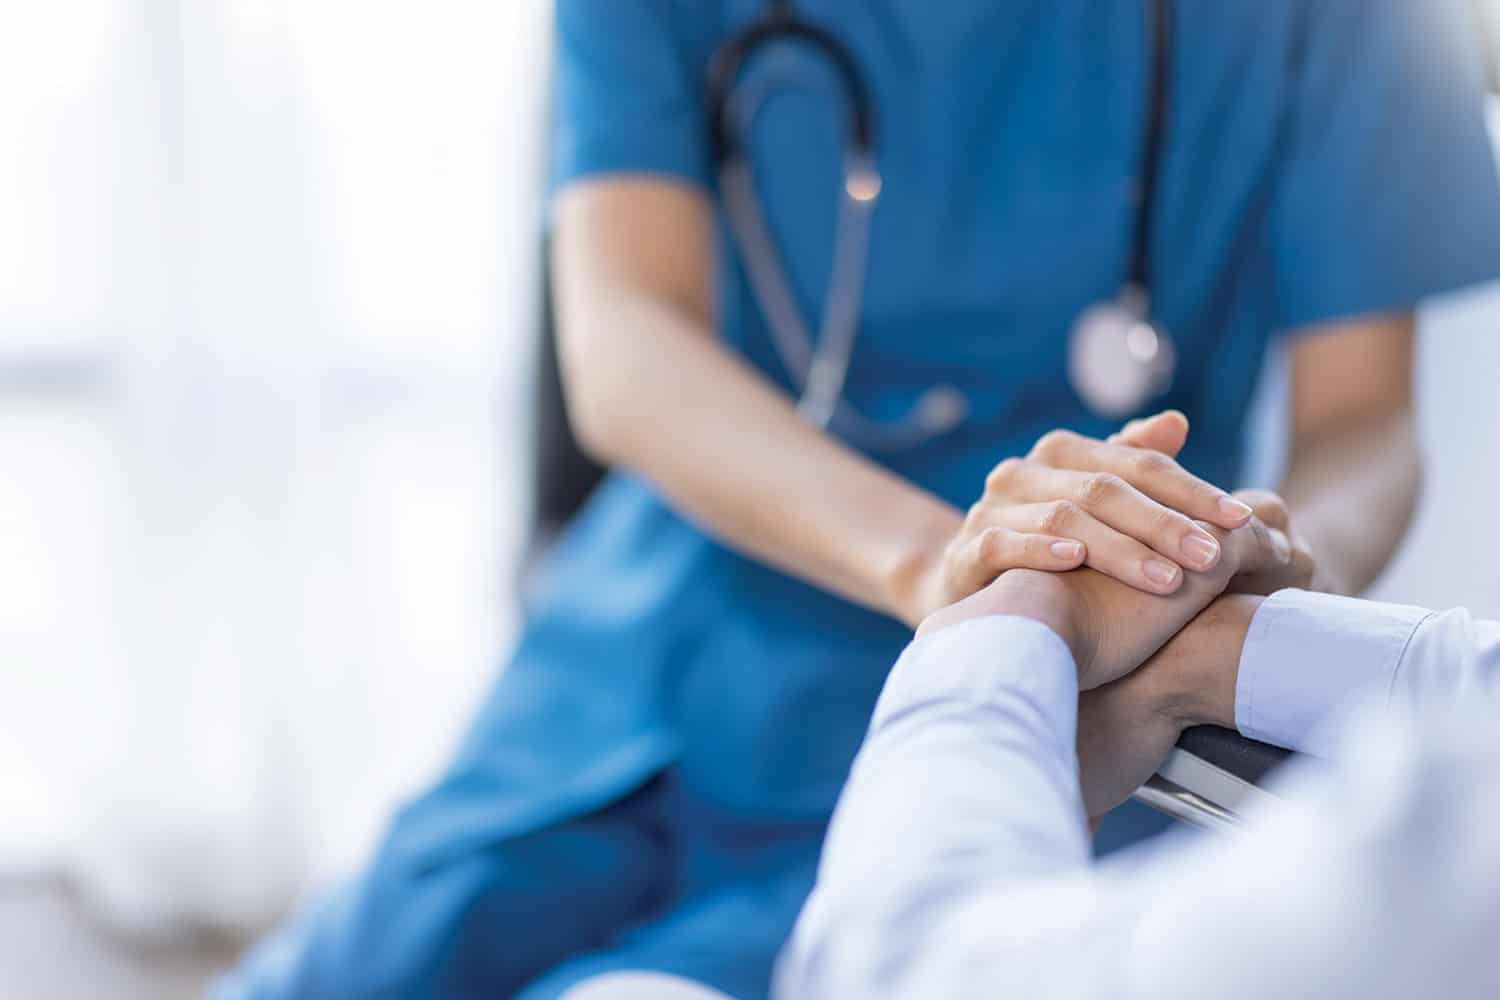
1118,358
780,25
818,372
818,367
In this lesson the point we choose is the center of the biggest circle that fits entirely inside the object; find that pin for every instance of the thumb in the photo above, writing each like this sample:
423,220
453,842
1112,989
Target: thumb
1165,432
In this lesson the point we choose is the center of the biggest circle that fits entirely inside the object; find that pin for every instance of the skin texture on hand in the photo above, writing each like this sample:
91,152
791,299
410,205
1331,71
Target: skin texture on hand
1300,571
1126,729
1123,628
1130,718
1111,628
1122,507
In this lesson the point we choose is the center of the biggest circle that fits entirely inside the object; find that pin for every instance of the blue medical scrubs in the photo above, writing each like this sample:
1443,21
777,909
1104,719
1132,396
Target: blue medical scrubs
648,781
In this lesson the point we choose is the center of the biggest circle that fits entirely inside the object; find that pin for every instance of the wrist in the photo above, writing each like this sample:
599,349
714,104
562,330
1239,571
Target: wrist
1203,664
912,582
1045,598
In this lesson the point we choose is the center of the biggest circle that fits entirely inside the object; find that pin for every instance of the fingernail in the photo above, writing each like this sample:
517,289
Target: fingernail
1201,549
1235,509
1067,551
1163,574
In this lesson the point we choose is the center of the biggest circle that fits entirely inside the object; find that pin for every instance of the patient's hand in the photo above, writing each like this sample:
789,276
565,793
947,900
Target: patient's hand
1110,627
1126,729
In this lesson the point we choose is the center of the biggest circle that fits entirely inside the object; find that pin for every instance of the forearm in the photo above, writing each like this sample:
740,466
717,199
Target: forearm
652,389
729,451
1201,665
1279,668
1352,490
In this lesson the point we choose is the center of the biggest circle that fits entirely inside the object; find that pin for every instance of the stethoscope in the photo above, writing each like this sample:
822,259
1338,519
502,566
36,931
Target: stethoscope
1118,357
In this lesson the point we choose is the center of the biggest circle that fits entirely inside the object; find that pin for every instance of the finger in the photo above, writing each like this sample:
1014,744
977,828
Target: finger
1109,551
1260,548
1302,568
1116,503
1267,506
997,549
1298,572
1165,432
1154,474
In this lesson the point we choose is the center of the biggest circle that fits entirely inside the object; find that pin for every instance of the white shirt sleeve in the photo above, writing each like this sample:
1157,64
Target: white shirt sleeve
1308,655
968,778
957,865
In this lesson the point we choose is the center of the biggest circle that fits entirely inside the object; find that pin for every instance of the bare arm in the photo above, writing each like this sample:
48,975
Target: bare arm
1355,468
652,389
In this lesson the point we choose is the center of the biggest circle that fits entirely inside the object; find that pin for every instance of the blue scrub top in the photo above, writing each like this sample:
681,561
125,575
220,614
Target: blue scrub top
1322,158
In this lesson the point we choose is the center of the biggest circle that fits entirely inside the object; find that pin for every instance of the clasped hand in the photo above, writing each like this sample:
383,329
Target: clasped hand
1115,621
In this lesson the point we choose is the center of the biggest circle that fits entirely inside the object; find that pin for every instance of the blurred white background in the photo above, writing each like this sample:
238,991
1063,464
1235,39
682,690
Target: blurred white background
266,295
267,276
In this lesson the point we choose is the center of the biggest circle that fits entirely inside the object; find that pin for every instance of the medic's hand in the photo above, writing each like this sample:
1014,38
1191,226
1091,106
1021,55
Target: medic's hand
1299,571
1112,628
1127,511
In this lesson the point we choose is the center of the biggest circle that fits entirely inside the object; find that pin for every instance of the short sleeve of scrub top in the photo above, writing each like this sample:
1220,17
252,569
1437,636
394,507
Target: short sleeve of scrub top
629,89
1388,192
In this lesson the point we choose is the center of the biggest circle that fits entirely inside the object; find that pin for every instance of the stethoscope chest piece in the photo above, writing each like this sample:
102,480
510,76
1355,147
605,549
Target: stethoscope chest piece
1118,360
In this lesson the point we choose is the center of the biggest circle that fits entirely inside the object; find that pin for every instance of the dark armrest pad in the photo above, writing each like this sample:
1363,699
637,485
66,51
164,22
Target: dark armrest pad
1226,749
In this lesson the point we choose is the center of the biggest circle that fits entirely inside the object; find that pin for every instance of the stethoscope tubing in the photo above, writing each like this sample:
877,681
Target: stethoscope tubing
819,366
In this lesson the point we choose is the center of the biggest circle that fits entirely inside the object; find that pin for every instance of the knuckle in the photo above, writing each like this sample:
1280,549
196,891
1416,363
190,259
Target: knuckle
1272,548
1099,488
1004,475
1052,442
1259,535
1152,465
1057,517
1268,506
992,545
1037,551
1165,521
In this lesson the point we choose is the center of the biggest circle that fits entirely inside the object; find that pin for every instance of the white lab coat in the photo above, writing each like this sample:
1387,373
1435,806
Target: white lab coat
958,865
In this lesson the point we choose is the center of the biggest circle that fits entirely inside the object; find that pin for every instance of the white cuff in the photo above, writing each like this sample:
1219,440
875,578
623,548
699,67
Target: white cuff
1308,655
